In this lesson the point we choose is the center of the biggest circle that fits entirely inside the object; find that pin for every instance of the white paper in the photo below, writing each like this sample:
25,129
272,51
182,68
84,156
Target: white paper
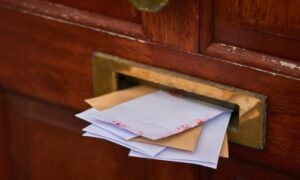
208,148
159,114
97,132
140,155
88,116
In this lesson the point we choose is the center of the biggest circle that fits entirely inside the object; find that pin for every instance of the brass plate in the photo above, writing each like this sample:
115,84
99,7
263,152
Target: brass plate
252,106
149,5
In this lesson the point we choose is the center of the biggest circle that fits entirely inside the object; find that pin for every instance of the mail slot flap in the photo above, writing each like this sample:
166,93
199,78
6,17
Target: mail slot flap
110,72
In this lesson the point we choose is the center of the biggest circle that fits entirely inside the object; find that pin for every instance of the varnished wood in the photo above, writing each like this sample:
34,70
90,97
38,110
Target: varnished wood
176,25
48,145
119,9
266,26
77,17
206,24
275,17
45,55
282,91
254,59
5,156
236,169
211,45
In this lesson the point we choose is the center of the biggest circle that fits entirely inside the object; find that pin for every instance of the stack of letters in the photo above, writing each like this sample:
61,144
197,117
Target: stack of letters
156,124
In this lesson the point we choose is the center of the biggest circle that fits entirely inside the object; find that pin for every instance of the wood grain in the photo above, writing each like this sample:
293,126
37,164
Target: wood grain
234,25
236,169
119,9
63,76
5,160
206,24
177,25
77,17
48,145
276,17
49,60
212,46
253,59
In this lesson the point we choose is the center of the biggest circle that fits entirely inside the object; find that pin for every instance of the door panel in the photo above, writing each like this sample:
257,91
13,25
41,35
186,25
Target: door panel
276,17
177,25
267,26
5,156
235,169
45,56
119,9
47,144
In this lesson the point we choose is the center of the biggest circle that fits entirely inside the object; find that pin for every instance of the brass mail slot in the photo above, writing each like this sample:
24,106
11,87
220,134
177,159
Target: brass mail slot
248,126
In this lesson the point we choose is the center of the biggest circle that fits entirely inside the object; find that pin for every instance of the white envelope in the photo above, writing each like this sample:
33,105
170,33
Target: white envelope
88,116
208,148
159,114
97,132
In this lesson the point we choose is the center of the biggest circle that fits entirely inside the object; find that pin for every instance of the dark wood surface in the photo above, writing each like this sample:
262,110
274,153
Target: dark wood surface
236,169
120,9
45,70
47,144
176,25
268,26
77,17
5,156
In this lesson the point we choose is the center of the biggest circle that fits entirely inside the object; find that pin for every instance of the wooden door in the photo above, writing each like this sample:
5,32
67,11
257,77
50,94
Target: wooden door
46,73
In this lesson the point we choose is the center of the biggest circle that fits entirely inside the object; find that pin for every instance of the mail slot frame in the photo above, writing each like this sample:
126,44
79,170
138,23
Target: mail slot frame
252,106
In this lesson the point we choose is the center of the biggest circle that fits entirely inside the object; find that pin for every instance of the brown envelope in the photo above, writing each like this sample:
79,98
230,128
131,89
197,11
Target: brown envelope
178,141
186,140
117,97
225,150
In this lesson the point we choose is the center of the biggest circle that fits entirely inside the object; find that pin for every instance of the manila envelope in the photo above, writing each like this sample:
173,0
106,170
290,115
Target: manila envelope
117,97
178,141
186,140
225,150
